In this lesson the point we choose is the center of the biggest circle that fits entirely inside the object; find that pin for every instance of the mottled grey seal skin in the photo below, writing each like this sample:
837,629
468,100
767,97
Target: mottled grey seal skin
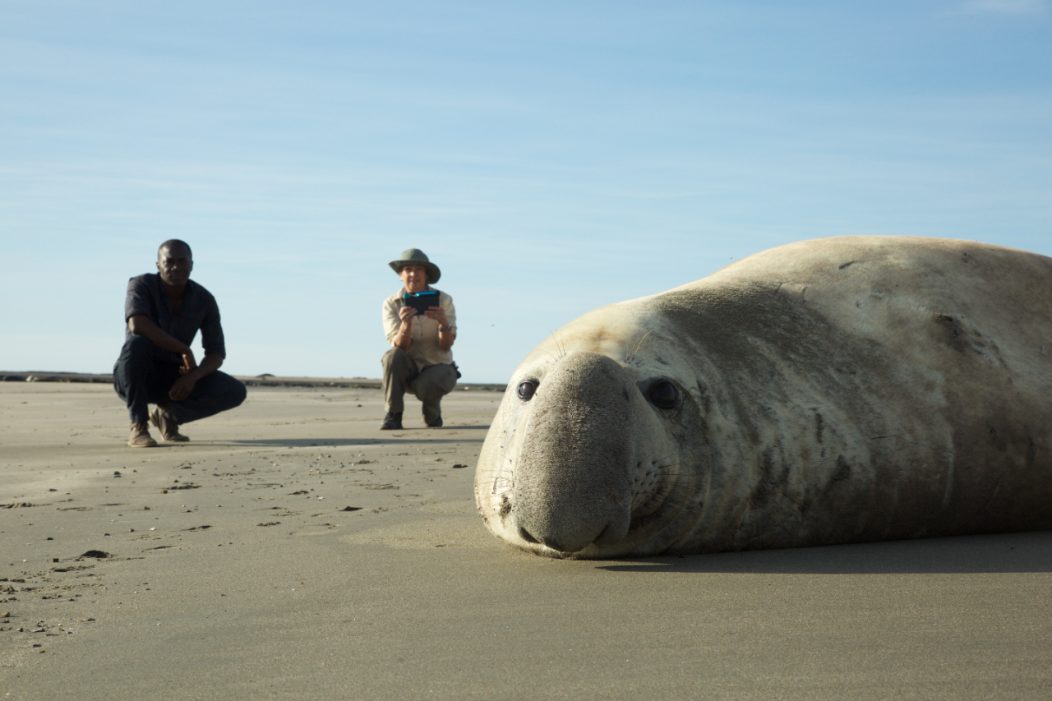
830,391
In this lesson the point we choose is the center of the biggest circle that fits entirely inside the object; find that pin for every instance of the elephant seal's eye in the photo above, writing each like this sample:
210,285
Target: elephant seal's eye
663,394
526,389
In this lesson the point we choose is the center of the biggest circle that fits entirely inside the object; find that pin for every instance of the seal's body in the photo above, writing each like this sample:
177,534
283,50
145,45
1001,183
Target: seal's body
829,391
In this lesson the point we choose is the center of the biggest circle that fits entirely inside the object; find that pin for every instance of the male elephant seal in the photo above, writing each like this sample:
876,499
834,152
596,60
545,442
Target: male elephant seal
830,391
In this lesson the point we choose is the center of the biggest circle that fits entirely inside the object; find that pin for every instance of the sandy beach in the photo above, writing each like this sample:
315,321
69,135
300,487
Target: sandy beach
292,550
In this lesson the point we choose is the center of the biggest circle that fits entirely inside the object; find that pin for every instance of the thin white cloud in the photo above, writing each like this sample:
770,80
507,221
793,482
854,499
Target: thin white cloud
1020,8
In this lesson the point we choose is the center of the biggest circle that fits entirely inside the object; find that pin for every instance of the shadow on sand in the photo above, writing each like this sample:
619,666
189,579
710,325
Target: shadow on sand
982,554
331,442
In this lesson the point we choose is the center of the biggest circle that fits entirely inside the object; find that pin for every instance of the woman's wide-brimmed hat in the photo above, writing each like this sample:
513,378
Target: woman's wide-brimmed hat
414,256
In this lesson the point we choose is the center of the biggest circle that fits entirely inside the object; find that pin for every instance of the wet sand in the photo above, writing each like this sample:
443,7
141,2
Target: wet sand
293,550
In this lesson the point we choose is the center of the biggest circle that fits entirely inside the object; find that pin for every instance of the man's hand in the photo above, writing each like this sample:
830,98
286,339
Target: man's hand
182,387
439,315
191,372
189,363
445,332
403,339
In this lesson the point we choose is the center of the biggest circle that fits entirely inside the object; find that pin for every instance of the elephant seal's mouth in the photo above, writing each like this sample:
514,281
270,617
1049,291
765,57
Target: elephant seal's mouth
614,540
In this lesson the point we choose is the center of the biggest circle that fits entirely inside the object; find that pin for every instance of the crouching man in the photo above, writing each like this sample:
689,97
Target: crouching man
420,323
163,312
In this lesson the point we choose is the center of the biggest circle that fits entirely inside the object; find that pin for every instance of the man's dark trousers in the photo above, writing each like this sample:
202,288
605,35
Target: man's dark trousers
141,378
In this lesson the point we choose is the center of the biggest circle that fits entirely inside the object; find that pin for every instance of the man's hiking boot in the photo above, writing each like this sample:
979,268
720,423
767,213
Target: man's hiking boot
433,416
140,436
392,421
167,426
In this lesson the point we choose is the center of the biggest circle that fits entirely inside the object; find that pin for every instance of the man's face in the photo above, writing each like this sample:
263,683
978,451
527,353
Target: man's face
174,264
414,278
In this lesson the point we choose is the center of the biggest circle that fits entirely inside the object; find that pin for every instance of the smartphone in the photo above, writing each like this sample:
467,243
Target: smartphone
420,301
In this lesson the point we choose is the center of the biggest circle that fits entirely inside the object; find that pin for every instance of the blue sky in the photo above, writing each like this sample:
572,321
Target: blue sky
551,157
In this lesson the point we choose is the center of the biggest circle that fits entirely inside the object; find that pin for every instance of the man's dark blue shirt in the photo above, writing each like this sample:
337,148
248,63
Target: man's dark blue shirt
199,312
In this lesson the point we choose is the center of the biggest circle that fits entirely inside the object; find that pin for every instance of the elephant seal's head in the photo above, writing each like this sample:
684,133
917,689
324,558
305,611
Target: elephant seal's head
585,456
